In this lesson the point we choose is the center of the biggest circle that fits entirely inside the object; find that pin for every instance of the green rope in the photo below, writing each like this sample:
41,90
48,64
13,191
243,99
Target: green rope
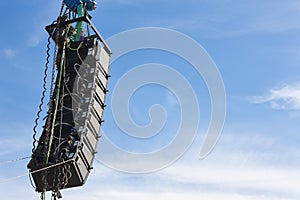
44,194
75,49
57,94
56,102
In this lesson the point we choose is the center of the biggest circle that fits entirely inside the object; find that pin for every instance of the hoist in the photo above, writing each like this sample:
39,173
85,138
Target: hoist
63,155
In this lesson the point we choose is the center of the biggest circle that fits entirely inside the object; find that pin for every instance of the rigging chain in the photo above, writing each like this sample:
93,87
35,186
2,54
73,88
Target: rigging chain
43,94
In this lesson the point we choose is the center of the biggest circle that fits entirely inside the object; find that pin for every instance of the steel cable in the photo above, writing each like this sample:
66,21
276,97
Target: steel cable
15,160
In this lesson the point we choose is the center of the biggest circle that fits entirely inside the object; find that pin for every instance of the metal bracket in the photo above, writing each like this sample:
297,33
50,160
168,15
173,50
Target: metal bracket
86,18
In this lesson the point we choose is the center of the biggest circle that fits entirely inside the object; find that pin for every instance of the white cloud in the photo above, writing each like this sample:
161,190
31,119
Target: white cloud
287,97
11,145
35,39
216,178
196,181
9,52
133,195
230,172
262,179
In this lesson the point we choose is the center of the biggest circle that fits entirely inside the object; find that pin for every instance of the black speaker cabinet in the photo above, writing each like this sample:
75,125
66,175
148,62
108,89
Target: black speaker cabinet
67,146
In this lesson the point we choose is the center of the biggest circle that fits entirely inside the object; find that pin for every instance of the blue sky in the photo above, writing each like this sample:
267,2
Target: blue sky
255,45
